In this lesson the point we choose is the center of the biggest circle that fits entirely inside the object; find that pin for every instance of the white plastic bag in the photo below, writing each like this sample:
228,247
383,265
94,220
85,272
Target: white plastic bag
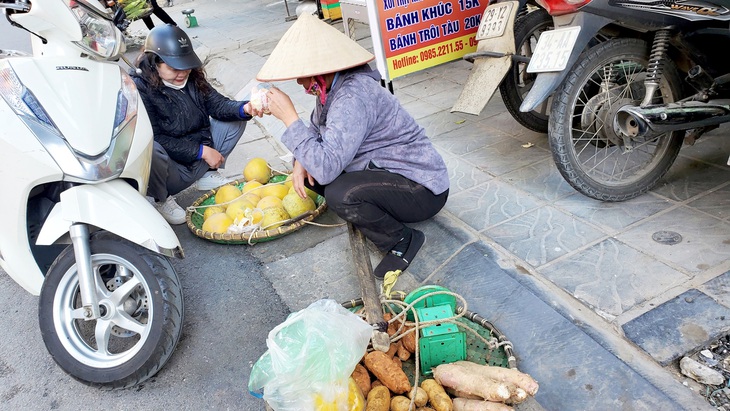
311,356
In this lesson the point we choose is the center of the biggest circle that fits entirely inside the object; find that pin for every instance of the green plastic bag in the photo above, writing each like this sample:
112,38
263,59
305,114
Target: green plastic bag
311,353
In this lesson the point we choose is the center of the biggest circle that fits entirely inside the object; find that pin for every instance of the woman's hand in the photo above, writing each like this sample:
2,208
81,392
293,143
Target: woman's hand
281,106
212,157
297,177
251,110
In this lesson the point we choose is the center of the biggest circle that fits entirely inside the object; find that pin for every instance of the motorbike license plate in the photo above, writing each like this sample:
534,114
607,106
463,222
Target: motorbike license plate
553,50
495,20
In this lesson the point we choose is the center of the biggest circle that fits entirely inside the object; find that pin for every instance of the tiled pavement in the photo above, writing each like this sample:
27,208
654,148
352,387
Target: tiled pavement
598,311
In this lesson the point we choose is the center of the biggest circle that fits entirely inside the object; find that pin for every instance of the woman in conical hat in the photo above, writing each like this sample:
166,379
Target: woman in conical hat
368,157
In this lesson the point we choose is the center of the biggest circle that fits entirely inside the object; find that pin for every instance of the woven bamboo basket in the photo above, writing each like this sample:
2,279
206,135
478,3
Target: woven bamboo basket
194,220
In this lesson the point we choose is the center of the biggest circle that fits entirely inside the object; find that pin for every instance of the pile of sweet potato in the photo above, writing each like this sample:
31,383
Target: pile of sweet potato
459,386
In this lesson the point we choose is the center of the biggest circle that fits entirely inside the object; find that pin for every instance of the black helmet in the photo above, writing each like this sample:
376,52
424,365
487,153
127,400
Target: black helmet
173,46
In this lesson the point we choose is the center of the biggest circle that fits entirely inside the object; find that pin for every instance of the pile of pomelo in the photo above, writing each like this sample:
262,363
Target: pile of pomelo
257,203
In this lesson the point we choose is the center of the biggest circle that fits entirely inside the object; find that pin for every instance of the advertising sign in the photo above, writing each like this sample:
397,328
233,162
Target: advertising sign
417,34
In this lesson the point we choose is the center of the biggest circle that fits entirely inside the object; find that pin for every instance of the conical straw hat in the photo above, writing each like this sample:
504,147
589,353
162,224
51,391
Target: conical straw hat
311,47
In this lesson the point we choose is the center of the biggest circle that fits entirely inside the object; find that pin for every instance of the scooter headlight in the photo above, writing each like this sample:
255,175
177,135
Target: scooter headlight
126,103
22,100
99,35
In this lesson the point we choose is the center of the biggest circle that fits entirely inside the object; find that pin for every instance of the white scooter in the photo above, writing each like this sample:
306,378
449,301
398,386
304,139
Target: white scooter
75,152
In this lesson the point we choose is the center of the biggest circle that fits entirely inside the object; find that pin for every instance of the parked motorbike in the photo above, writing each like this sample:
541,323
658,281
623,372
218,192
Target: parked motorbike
75,147
507,35
621,109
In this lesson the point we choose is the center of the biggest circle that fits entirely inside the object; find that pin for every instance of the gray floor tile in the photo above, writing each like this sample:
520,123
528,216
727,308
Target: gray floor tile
713,147
540,179
719,289
543,235
504,121
688,178
426,89
442,122
490,203
614,216
505,156
679,326
548,344
470,137
420,109
462,175
611,277
446,98
704,239
716,203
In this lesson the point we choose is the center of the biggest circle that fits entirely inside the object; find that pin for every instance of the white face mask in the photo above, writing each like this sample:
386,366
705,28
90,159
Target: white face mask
175,86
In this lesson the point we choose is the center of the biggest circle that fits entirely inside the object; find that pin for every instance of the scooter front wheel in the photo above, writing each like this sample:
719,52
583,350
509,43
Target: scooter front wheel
588,148
141,319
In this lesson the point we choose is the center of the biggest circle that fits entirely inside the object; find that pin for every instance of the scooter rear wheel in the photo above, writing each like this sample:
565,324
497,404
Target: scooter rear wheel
518,82
142,313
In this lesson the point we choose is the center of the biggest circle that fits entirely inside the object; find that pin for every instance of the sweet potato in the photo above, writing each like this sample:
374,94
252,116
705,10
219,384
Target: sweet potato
517,394
393,349
462,379
440,401
400,403
456,393
420,394
402,353
425,409
398,362
378,399
409,340
465,404
507,375
376,383
362,379
387,372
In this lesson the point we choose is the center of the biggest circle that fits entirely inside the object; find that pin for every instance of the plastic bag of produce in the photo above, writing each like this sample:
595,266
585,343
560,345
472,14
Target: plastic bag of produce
310,358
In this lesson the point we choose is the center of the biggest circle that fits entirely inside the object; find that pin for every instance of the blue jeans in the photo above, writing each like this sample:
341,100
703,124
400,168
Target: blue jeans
168,177
378,202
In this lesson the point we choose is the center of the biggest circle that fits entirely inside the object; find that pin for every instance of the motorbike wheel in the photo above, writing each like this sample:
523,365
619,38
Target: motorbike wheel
142,314
518,82
587,147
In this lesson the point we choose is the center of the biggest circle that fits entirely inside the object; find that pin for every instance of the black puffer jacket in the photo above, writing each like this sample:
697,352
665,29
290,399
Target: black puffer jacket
180,118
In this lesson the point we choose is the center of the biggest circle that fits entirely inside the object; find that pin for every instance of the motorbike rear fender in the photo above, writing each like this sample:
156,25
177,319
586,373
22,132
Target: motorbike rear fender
114,206
546,83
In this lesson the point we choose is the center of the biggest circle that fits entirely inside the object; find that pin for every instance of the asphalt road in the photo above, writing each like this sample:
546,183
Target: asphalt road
229,309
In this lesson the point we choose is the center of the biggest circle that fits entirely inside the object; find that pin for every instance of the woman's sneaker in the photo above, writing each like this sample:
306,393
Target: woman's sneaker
210,180
171,211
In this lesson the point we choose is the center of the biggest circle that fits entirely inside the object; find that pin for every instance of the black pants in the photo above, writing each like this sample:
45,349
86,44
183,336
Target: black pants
378,202
160,13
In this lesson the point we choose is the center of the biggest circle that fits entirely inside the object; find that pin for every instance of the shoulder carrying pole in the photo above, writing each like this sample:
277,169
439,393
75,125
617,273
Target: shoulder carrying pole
370,299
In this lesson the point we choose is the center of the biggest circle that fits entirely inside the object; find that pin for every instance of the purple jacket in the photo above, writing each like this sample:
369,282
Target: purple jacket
361,123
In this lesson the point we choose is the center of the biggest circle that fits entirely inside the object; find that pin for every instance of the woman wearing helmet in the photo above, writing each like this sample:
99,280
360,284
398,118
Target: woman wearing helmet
195,127
372,162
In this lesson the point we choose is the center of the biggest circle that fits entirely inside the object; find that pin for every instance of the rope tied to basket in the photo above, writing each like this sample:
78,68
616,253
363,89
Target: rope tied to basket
406,327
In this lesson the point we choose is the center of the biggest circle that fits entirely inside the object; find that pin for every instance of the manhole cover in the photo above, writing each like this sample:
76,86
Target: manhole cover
667,237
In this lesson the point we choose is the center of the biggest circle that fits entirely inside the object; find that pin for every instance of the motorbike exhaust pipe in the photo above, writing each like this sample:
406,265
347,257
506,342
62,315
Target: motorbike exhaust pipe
651,121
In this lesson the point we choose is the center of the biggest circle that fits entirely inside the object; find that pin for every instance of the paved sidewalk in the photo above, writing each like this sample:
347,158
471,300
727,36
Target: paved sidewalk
599,313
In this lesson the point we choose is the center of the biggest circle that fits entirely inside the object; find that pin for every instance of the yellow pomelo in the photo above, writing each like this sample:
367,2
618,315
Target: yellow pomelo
273,217
213,210
252,186
227,193
269,201
274,189
350,400
311,194
217,223
238,208
252,197
288,182
256,215
295,205
257,169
